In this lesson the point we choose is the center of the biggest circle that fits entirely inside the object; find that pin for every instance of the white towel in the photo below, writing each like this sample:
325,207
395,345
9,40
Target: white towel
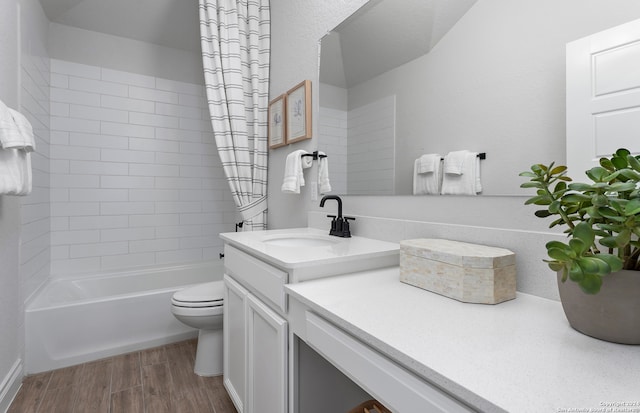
15,130
428,163
293,176
427,183
16,143
467,182
323,173
454,162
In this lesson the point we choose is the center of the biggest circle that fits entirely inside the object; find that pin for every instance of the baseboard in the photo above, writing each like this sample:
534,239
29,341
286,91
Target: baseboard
10,385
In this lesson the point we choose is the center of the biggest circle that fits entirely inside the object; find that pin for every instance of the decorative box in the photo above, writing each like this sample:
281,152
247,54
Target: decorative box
466,272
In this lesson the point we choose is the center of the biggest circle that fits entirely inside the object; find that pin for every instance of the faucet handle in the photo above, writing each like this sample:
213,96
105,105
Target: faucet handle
346,232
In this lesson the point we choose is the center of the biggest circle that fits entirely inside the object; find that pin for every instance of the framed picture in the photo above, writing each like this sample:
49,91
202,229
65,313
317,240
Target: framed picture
277,123
299,112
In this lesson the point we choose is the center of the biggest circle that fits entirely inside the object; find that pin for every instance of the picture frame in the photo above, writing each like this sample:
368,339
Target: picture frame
277,122
299,112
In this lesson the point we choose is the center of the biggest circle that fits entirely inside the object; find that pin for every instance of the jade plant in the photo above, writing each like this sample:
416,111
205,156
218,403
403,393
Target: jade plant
602,218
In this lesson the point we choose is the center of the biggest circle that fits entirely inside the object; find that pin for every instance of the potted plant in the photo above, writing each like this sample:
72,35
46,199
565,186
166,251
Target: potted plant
602,255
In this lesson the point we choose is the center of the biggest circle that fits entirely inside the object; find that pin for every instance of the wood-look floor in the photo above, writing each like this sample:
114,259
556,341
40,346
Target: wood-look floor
157,380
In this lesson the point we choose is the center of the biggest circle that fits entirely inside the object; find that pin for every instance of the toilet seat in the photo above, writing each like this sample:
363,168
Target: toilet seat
200,296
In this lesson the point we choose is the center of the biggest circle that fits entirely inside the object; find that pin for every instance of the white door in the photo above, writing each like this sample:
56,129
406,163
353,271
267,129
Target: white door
266,359
603,96
234,341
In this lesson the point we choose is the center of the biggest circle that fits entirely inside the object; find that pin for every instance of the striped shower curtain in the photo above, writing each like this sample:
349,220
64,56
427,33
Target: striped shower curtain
235,37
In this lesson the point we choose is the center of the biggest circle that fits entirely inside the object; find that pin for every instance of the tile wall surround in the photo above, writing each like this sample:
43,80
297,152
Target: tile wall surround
135,176
35,248
332,138
533,275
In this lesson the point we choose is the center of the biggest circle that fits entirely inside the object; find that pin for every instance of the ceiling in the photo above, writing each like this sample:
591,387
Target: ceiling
170,23
384,34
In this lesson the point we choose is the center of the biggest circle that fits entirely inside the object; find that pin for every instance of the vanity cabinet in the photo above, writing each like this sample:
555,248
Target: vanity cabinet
255,334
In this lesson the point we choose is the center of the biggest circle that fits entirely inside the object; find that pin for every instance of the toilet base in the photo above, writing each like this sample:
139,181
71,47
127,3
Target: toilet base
209,353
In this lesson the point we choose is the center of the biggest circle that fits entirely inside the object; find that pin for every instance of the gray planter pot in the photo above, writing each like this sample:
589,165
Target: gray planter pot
611,315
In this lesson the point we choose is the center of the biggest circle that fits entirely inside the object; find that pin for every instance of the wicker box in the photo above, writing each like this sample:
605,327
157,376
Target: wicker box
466,272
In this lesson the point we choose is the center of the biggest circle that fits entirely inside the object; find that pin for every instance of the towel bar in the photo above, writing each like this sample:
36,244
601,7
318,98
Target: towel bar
314,154
481,155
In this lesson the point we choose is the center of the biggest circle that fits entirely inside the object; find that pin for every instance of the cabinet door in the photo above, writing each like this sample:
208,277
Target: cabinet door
234,341
266,359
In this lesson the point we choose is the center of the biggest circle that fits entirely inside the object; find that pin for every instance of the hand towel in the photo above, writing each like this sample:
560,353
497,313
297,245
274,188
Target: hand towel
427,183
293,176
428,163
467,182
15,130
15,172
454,162
323,173
16,141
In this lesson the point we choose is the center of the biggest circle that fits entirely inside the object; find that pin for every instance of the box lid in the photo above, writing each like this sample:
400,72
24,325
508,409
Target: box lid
458,253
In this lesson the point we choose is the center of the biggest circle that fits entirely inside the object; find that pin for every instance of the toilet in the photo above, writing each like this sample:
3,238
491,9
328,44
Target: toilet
201,307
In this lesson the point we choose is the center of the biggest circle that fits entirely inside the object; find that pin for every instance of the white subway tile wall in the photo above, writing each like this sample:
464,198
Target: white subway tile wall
135,177
332,135
35,249
371,148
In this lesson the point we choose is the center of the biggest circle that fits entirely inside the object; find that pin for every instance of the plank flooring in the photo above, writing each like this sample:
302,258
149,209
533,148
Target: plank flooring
157,380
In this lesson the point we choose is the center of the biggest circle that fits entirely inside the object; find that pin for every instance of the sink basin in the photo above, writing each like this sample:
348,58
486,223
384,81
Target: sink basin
300,240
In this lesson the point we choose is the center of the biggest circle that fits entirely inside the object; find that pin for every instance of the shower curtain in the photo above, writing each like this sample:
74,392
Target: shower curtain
235,38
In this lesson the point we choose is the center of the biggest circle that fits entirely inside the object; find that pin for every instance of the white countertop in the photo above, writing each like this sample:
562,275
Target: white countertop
339,254
518,356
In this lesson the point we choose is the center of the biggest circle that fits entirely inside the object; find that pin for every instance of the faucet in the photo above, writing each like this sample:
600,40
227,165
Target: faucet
339,224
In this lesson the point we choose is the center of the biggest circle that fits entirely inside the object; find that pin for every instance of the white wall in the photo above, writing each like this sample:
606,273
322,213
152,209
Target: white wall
9,214
533,124
99,49
136,178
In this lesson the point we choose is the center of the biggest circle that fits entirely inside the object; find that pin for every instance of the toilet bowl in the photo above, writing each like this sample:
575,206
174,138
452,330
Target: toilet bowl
201,307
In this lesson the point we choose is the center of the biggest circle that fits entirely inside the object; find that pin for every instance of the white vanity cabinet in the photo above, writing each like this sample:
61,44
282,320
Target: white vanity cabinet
255,335
258,266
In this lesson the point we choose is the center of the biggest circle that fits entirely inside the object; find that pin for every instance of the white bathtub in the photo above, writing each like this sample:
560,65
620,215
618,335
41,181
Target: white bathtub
75,320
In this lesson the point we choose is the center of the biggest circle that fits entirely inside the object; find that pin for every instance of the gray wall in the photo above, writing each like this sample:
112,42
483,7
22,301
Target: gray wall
9,206
533,124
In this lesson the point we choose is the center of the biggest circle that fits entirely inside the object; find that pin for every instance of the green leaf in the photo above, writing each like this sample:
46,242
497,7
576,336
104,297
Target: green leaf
623,238
542,213
560,187
632,207
531,184
585,233
575,272
619,161
597,173
578,246
622,186
599,200
614,262
579,186
622,152
610,214
606,163
633,162
558,169
554,207
555,265
558,254
590,283
575,198
609,242
528,174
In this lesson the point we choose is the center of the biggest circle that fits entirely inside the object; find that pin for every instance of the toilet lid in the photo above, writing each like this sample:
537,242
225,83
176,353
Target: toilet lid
207,292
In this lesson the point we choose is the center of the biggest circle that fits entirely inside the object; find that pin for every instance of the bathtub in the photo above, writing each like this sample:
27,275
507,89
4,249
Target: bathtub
79,319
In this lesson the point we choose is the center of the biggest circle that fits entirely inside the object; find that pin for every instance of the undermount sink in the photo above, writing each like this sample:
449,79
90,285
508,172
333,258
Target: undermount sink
300,240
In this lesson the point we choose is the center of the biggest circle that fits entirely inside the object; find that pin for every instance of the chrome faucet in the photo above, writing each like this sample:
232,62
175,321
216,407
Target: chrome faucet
339,224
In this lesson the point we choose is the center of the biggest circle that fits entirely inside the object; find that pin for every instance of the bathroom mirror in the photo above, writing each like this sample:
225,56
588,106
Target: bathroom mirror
401,78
